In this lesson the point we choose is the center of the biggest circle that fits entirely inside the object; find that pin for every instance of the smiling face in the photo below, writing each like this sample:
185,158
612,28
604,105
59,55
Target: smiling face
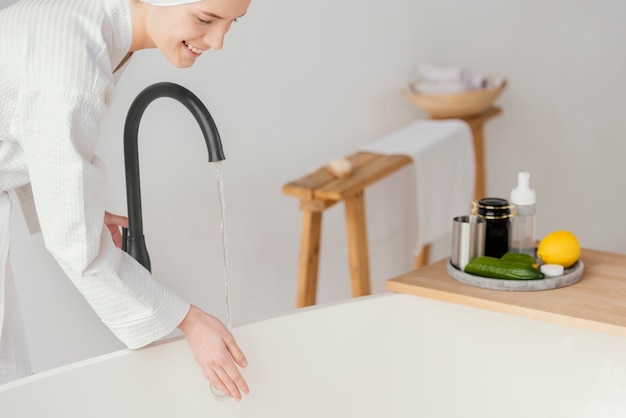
182,33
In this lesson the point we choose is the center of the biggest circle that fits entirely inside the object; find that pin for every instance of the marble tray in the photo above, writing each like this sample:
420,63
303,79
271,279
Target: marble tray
570,276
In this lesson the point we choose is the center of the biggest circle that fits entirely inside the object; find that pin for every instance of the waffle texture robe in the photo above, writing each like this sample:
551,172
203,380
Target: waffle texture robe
56,78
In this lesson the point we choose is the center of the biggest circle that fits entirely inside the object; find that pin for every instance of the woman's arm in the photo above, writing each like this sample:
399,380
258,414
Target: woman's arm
58,131
212,345
69,189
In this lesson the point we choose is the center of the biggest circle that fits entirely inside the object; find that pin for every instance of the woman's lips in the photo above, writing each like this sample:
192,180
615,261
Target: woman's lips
195,50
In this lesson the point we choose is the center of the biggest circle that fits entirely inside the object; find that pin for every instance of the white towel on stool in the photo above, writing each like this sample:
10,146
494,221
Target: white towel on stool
443,160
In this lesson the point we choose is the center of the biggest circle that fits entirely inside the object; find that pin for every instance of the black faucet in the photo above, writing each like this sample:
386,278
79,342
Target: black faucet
133,239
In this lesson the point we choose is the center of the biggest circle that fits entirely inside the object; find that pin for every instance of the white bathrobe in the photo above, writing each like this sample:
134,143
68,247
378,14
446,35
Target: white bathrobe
57,59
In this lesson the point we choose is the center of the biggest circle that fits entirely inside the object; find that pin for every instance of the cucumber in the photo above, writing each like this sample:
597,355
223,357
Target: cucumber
519,258
497,268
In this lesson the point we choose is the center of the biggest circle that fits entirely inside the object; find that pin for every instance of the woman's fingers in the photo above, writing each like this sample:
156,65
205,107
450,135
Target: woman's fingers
235,351
231,386
236,355
228,373
115,220
113,223
216,352
215,381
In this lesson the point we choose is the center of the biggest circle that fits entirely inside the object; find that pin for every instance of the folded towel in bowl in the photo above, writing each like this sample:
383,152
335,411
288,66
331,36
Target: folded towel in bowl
444,169
450,80
438,87
437,73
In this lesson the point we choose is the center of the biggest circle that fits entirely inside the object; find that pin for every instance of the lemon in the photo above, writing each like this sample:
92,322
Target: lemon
559,247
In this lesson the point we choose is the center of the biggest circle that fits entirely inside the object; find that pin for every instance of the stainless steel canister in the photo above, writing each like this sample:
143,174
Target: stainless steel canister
468,239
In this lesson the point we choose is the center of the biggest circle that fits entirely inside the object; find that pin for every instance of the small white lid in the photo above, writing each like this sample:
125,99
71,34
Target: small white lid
523,195
552,270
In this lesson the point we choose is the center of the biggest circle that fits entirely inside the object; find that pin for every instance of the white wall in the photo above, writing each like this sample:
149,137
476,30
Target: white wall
302,82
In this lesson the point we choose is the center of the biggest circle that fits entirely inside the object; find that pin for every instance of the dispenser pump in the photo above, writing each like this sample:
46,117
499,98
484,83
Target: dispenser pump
522,238
523,195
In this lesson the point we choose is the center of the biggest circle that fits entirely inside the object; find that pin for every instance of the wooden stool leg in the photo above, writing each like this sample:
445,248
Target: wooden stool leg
309,258
357,244
422,258
479,158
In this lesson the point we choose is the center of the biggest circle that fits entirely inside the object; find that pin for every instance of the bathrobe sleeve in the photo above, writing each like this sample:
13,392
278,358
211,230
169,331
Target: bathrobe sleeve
58,131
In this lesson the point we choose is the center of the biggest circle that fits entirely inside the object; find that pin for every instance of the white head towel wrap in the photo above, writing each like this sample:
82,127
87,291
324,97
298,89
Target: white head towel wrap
169,2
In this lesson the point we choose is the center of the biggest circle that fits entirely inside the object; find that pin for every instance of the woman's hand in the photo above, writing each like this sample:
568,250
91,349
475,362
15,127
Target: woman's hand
216,351
113,222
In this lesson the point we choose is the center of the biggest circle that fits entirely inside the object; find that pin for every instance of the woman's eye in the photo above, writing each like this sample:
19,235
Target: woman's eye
202,21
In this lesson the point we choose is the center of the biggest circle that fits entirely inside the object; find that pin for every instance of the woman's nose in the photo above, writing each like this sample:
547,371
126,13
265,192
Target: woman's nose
215,38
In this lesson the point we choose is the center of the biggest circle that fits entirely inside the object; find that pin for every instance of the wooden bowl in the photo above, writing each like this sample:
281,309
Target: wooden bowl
456,105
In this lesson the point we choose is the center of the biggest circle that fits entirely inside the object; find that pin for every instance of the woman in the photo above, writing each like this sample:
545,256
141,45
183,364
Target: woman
59,60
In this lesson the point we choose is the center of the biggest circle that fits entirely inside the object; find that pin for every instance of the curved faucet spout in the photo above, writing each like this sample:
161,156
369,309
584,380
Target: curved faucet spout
134,242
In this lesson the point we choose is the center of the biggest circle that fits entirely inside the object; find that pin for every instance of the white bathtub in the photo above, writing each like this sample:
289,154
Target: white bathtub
383,356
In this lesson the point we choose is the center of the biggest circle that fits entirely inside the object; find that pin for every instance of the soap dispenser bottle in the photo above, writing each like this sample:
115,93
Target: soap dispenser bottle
522,238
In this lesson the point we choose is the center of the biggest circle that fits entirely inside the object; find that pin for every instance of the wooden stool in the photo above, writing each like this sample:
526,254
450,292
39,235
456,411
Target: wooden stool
320,190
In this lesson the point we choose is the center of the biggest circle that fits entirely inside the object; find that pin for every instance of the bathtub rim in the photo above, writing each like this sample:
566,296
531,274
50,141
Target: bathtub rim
173,339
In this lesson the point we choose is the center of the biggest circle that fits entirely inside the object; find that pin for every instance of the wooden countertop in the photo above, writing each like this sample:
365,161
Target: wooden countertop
597,302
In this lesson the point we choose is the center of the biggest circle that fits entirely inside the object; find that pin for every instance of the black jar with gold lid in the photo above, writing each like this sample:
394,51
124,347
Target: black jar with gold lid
498,213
